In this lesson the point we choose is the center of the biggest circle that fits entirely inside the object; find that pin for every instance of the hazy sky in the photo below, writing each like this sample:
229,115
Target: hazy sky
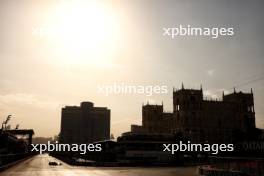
122,42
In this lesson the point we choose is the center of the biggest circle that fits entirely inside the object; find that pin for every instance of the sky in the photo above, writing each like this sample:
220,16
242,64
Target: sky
57,53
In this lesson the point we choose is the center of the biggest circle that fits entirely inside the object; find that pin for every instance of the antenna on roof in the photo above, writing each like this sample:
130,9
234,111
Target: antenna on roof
182,86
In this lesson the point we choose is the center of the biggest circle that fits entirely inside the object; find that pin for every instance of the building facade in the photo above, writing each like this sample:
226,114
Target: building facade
200,120
84,124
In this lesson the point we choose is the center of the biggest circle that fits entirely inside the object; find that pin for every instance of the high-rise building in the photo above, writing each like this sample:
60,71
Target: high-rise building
84,124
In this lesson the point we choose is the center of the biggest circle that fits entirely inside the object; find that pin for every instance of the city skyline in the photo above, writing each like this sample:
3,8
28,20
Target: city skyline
41,74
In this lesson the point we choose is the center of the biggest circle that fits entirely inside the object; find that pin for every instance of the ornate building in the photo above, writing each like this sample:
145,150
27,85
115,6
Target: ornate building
198,119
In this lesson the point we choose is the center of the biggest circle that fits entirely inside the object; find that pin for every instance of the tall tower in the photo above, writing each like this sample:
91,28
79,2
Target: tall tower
187,99
152,117
245,108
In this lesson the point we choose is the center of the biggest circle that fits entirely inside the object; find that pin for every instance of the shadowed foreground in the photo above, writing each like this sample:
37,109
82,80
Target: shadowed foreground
39,165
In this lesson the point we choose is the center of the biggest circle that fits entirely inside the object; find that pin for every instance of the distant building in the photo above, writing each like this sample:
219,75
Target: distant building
84,124
198,119
155,120
144,148
15,141
41,140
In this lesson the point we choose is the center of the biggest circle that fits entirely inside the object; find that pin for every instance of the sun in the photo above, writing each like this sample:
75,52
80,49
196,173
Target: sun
83,32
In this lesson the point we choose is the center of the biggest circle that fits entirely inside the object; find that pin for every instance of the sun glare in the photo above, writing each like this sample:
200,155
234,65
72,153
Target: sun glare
83,32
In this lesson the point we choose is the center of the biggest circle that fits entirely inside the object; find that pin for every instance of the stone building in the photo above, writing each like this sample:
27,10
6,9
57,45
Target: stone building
84,124
200,120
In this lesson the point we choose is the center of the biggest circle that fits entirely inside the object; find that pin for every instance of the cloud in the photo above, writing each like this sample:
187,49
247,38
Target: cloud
27,100
211,72
215,93
125,121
